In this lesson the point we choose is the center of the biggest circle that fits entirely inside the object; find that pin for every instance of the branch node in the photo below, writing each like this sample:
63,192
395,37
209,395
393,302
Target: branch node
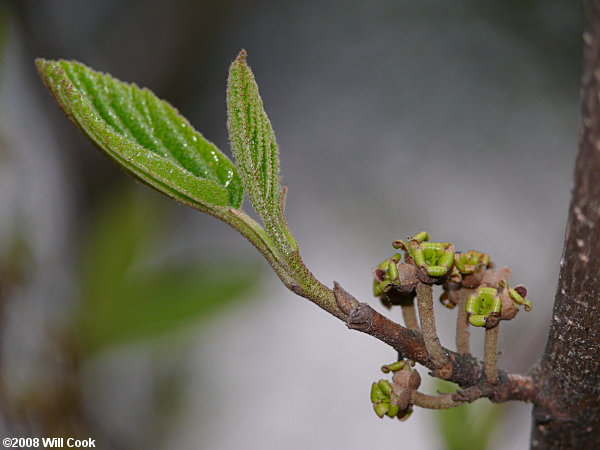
345,301
360,316
444,372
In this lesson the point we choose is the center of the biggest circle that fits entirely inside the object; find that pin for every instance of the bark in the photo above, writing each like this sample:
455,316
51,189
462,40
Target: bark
567,411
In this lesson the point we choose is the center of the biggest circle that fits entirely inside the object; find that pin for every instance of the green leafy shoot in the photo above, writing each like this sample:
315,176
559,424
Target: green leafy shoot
255,150
125,299
151,141
146,136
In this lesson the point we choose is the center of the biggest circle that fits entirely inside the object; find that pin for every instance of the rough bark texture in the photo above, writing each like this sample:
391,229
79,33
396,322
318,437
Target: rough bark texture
569,373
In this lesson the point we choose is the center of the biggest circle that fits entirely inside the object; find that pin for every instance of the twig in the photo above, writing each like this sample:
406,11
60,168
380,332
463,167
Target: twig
446,401
409,314
462,324
464,370
490,354
427,318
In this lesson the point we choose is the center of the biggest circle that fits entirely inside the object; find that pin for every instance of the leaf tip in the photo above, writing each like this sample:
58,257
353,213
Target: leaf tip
242,56
40,64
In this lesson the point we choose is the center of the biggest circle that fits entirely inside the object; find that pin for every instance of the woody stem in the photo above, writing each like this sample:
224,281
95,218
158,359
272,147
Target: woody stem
435,351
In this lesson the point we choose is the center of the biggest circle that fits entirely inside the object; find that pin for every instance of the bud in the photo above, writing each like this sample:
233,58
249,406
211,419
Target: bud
380,408
385,387
393,367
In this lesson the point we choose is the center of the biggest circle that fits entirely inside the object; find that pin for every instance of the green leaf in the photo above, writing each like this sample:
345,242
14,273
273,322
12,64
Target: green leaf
125,299
470,426
255,150
145,135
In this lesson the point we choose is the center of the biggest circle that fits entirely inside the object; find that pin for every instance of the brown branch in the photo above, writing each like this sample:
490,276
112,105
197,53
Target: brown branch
569,372
464,370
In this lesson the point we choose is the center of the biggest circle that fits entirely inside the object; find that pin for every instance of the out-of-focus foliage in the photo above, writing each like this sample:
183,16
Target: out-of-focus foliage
467,427
127,294
13,263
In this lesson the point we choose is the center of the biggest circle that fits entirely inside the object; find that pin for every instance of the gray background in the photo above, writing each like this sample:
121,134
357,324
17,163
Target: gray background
392,117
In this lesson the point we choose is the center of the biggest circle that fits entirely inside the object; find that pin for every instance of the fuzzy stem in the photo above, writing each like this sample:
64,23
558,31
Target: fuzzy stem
433,401
427,318
289,267
490,354
409,314
462,326
446,401
312,289
252,231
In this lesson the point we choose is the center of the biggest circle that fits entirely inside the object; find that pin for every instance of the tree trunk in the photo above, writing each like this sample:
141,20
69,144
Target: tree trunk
569,373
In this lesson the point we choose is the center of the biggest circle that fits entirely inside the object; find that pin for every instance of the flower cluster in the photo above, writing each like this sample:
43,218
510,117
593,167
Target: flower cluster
395,399
469,274
468,279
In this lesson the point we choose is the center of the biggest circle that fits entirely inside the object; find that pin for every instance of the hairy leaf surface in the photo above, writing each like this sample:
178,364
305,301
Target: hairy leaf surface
255,149
144,135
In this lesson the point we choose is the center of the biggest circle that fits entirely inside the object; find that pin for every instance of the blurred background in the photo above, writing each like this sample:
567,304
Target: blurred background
117,321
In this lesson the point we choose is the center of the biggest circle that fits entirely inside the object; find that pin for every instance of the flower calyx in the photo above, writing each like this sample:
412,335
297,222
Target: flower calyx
484,307
469,268
489,305
434,258
471,261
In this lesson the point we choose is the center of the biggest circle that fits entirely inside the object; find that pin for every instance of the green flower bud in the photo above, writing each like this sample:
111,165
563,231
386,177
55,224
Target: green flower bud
377,290
436,271
392,271
377,394
393,410
421,236
380,408
518,298
477,320
385,387
418,256
393,367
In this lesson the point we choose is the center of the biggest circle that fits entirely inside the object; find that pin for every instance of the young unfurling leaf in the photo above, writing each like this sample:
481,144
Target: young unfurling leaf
255,150
145,135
